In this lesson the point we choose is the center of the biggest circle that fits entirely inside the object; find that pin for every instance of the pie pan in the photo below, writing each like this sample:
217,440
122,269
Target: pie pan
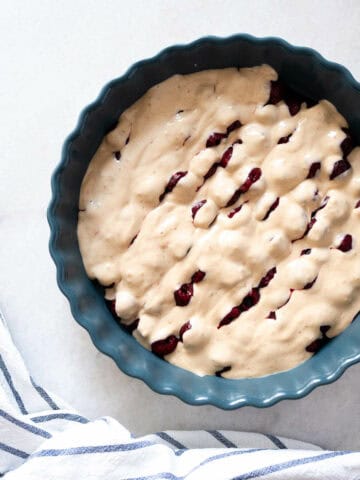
305,71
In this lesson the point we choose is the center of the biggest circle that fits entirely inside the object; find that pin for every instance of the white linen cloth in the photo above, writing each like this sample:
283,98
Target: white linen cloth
43,438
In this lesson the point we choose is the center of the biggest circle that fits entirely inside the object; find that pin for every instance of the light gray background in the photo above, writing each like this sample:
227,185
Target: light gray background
54,59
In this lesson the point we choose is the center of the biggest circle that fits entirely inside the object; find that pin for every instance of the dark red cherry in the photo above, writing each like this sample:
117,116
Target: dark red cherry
348,143
250,300
174,179
235,211
284,139
223,370
196,207
293,100
232,315
266,279
233,126
294,105
314,346
340,167
322,205
211,171
253,177
234,198
277,91
214,139
183,329
314,167
317,344
324,329
310,284
164,347
310,225
273,206
346,243
307,230
183,294
198,276
226,157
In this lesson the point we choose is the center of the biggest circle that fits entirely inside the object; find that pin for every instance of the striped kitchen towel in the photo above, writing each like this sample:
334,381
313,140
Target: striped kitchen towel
41,437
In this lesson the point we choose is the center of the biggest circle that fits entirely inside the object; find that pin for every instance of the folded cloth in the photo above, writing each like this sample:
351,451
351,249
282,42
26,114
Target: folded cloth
41,437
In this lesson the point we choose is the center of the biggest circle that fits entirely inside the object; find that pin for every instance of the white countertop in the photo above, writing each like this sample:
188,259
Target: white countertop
55,57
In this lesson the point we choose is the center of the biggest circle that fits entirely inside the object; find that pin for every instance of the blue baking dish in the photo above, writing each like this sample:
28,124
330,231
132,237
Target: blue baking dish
305,71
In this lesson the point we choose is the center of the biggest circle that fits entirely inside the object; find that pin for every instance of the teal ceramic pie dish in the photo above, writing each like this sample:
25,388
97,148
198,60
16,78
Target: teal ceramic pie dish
305,71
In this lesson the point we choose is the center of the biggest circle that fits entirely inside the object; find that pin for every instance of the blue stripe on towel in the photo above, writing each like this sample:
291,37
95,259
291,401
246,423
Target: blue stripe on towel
44,395
122,447
13,451
171,440
221,438
9,381
228,454
171,476
25,426
181,451
62,416
275,440
261,472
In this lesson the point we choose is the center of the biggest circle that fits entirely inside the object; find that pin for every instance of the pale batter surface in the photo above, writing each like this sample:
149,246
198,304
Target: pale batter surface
224,225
